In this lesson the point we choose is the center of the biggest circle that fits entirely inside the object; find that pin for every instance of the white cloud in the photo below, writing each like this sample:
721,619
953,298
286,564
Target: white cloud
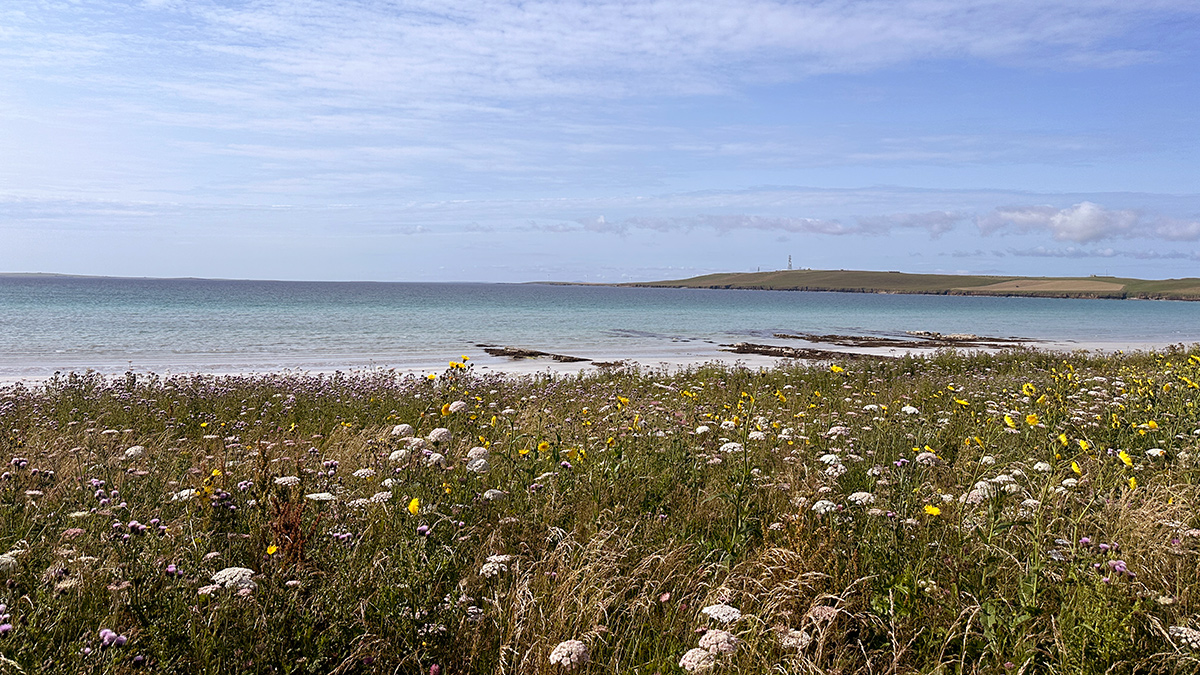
1087,222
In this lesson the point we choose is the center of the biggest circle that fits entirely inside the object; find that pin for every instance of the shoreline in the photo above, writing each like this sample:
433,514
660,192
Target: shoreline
779,350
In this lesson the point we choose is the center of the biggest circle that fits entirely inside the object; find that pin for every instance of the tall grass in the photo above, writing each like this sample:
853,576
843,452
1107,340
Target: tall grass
1023,512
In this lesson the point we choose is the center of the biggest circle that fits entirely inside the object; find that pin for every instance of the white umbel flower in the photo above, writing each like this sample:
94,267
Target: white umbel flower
1188,638
569,654
722,613
862,498
731,447
909,410
235,577
288,481
402,430
719,642
135,451
458,406
823,506
365,472
439,435
795,639
696,660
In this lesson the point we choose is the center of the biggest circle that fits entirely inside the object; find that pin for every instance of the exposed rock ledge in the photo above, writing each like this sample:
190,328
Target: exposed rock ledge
519,353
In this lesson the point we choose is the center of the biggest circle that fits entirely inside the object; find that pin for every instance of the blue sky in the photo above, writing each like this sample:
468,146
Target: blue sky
598,141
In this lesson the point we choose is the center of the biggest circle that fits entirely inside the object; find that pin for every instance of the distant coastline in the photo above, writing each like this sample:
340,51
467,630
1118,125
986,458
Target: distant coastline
859,281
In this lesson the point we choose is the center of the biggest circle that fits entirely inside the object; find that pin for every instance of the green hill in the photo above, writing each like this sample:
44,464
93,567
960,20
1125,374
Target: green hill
858,281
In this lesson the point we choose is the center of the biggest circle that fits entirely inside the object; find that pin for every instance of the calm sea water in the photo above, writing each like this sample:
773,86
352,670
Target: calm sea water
51,323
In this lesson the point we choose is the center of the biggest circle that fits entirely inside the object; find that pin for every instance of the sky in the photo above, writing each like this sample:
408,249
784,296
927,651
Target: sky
597,140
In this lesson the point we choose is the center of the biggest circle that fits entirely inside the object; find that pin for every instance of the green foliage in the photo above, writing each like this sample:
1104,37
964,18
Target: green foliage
1023,511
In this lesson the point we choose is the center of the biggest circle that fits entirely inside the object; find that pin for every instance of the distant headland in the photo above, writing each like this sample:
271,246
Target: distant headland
858,281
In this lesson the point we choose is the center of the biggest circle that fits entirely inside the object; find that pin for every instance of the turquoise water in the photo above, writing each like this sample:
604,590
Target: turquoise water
52,323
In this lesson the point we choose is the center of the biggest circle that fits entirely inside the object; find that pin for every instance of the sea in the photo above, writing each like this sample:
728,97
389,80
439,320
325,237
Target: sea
54,324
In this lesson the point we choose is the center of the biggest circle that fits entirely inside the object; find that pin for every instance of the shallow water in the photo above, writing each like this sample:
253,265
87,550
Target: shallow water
50,324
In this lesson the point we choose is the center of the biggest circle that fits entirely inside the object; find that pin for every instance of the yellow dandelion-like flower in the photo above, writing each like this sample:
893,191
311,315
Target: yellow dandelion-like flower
1151,424
216,472
1010,422
1028,389
543,446
272,549
1084,445
524,451
1031,419
1125,458
445,409
431,376
837,368
1075,468
1062,438
1132,483
961,401
932,510
414,506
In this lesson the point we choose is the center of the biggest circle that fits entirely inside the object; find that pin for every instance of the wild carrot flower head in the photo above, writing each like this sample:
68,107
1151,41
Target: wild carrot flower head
823,506
696,660
862,498
569,654
722,613
234,577
719,642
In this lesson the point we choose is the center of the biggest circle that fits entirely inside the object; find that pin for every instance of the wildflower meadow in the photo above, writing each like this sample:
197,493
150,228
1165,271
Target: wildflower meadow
1015,512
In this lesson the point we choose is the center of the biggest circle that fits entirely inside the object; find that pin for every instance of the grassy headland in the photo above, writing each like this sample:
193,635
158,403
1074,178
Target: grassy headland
855,281
1020,512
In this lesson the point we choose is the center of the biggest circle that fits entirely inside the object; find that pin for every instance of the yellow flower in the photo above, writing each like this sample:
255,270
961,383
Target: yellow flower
524,451
445,409
216,472
1062,438
1031,419
1125,458
1132,483
203,424
414,506
543,446
1028,389
272,549
466,358
431,376
1075,468
1151,424
961,401
1041,400
932,510
622,400
1010,422
837,369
